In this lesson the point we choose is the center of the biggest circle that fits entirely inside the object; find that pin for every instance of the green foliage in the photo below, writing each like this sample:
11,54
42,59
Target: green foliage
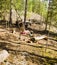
33,5
53,12
19,4
36,6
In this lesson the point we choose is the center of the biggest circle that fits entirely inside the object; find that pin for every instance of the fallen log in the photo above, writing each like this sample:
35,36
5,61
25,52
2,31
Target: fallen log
14,46
7,43
40,37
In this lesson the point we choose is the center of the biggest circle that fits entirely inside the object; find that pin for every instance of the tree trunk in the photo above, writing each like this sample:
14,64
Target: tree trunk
25,14
10,12
47,15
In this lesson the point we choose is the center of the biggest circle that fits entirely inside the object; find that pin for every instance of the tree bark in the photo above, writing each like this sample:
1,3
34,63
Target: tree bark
25,14
10,12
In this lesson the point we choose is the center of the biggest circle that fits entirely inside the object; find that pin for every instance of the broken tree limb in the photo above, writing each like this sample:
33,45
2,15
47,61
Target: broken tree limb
40,37
7,43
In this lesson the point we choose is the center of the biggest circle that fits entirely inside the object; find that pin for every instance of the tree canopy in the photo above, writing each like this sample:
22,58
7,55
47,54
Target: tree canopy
37,6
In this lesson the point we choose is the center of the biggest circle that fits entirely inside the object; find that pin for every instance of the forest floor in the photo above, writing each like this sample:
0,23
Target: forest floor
24,51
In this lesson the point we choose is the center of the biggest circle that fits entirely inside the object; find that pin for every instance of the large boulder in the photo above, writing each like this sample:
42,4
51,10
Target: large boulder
36,18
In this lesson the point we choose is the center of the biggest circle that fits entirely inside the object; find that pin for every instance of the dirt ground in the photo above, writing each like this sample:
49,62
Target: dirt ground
24,51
